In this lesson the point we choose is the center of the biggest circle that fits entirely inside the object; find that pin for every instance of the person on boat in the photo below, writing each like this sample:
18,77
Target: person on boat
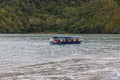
66,40
63,40
71,40
77,39
56,40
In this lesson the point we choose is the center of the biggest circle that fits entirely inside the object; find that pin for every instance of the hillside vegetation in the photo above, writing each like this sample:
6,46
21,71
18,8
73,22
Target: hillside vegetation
61,16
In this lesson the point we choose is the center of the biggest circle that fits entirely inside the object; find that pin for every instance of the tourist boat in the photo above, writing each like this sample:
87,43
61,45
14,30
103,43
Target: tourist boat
65,40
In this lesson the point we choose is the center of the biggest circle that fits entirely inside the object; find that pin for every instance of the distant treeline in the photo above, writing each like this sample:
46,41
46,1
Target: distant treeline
60,16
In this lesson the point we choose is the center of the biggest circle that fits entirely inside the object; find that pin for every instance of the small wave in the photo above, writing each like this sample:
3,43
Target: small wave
115,75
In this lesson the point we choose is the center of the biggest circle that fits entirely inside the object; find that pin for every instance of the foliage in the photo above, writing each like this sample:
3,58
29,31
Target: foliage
61,16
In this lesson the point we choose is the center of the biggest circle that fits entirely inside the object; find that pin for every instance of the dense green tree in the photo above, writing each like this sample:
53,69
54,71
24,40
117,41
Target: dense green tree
61,16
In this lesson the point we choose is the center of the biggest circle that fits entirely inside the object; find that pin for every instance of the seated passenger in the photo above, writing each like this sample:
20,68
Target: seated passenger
77,39
66,40
71,40
63,40
56,40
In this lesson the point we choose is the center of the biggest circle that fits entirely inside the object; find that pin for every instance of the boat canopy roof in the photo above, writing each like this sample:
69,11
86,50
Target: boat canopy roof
64,37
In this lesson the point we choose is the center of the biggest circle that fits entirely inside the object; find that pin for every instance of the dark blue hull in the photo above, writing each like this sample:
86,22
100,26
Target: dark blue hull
75,42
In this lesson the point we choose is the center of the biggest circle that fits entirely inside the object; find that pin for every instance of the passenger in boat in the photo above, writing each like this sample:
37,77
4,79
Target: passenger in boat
66,40
71,40
77,39
56,40
63,40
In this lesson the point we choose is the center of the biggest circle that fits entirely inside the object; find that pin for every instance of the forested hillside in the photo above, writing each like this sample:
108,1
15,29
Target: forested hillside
61,16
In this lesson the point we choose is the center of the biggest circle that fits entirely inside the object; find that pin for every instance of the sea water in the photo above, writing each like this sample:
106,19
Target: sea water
32,57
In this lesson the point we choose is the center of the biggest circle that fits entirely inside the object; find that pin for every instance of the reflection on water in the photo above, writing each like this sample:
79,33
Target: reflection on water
32,57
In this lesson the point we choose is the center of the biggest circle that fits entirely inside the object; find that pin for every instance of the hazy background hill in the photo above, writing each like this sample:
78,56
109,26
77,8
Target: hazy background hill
61,16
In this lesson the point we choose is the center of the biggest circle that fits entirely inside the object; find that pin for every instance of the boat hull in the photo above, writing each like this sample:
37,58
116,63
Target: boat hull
75,42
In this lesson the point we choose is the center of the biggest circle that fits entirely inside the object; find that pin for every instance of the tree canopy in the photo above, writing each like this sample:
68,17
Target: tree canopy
60,16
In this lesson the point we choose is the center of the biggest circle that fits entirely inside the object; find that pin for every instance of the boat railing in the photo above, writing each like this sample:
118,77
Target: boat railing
65,39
